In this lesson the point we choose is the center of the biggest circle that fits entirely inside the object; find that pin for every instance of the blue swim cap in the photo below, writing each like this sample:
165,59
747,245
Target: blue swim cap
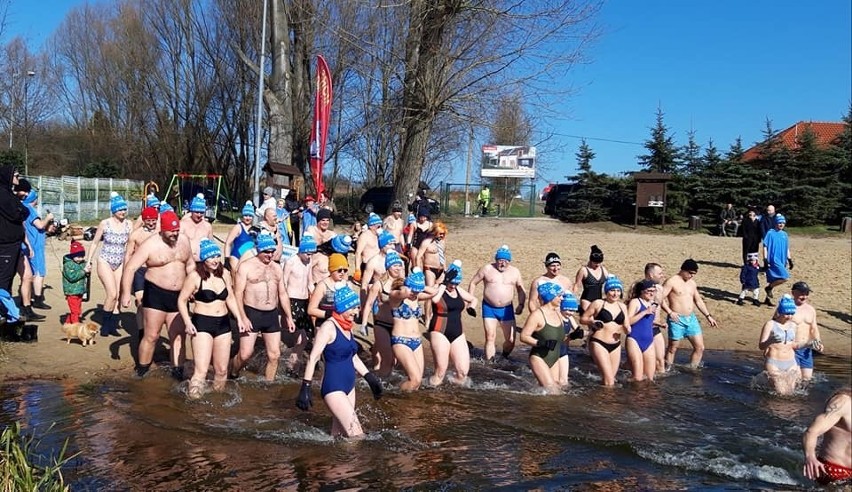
116,202
392,259
416,281
198,204
307,244
152,201
31,197
780,219
341,243
569,302
612,282
265,242
165,207
248,209
456,265
208,249
411,218
374,220
345,298
787,305
385,238
503,253
548,291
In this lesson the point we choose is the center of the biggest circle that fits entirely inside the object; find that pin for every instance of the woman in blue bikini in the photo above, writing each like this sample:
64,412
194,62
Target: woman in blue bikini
379,294
115,232
642,310
335,344
405,337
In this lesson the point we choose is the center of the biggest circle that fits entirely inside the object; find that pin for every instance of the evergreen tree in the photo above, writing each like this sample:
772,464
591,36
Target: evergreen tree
735,151
704,190
840,153
815,193
586,203
662,156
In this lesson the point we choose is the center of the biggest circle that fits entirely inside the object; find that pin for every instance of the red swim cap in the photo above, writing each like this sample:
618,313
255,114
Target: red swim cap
169,222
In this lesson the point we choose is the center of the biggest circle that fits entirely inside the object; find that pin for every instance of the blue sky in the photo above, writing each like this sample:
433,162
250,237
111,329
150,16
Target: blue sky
720,67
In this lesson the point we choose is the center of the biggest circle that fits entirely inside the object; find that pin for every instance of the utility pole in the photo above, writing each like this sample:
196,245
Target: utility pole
258,129
467,174
30,74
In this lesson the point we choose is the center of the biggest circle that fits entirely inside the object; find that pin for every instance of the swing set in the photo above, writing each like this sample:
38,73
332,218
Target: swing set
183,187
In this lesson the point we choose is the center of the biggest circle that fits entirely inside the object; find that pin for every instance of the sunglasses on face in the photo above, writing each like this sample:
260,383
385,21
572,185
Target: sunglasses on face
342,270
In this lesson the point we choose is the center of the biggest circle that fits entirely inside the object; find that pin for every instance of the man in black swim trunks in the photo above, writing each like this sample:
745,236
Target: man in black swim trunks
168,259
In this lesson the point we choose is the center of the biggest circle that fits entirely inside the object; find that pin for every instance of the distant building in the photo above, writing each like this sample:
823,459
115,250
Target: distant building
825,132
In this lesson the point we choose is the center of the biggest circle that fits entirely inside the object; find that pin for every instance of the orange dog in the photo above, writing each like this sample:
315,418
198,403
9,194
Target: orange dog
85,332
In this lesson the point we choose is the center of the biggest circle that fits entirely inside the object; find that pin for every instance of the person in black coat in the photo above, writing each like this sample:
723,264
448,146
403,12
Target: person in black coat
12,216
752,234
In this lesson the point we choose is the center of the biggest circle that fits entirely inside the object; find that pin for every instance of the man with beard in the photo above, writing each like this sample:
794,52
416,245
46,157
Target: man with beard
500,281
193,225
137,237
260,290
168,260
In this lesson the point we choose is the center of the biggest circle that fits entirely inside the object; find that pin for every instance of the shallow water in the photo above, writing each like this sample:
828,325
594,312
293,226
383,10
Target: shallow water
714,429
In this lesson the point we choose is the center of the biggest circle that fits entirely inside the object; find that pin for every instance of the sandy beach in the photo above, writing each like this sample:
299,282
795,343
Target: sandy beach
822,262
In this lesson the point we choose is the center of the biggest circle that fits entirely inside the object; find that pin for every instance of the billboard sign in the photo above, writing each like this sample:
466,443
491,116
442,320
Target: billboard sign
508,161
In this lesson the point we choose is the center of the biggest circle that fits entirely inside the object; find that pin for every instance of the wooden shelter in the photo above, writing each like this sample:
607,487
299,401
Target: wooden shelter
651,192
279,175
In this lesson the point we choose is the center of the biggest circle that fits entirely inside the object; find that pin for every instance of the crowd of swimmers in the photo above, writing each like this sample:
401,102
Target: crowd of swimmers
310,299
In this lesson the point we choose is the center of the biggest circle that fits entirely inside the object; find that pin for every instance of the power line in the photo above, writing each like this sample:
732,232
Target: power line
599,139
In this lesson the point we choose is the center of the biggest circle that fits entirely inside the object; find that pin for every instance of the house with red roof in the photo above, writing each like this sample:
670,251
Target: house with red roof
825,133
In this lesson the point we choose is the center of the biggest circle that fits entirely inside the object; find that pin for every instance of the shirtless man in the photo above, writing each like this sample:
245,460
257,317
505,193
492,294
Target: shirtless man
420,229
322,235
394,223
654,273
368,243
680,298
834,462
552,265
168,259
297,278
260,290
807,330
137,237
431,255
500,282
194,226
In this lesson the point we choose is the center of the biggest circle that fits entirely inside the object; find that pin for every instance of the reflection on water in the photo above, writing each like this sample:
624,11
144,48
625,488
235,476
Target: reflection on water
710,429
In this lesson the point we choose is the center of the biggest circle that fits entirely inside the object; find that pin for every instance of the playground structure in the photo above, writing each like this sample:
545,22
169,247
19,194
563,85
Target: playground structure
184,186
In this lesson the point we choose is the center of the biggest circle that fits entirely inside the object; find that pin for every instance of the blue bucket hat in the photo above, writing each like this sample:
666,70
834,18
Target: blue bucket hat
385,238
208,249
265,242
198,204
116,202
456,265
612,282
248,209
308,245
165,207
152,201
787,305
392,259
569,302
416,281
374,220
345,298
503,253
548,291
780,219
341,243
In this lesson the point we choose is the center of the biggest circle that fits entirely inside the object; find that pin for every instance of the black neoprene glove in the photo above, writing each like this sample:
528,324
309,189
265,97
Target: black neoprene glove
358,318
576,334
305,401
375,385
471,311
450,275
548,344
328,313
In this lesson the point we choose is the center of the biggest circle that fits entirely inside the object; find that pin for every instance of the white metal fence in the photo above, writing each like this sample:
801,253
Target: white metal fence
84,199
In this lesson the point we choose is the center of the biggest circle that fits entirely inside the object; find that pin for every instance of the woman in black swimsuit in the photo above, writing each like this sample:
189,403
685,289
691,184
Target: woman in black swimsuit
377,303
591,278
446,336
209,326
608,321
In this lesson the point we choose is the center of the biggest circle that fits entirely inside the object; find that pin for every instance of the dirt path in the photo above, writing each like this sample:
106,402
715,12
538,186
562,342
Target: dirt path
825,263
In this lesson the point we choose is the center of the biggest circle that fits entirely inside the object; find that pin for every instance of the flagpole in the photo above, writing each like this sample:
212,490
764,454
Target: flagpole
258,129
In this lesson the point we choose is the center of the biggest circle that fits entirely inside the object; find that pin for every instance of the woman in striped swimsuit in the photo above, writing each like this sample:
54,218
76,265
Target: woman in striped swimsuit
115,232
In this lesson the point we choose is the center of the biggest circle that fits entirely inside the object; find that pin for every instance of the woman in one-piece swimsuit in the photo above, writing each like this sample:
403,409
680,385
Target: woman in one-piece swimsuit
115,232
378,304
446,336
640,343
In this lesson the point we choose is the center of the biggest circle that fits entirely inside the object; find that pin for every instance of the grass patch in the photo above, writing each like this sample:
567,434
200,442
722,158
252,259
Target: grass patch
20,463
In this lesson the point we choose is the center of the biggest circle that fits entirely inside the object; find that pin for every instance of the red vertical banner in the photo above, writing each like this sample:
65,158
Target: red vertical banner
319,129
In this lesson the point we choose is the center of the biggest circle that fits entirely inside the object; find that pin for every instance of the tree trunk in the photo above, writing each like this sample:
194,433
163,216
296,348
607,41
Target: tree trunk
278,95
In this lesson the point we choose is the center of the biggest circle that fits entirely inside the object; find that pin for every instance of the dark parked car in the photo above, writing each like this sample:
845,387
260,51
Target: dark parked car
189,190
380,200
556,196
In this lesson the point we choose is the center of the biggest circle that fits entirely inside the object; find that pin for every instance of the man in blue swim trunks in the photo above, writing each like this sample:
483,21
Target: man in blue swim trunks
776,257
807,330
680,298
500,281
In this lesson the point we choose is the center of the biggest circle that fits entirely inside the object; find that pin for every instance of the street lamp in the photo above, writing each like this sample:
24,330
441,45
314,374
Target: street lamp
30,74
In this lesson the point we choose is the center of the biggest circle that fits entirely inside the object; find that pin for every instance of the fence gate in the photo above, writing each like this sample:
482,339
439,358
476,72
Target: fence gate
510,197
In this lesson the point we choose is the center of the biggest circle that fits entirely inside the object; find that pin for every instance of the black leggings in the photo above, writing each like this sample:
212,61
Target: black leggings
9,253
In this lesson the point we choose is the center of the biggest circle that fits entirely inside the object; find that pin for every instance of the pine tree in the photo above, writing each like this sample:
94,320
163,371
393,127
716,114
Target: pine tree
663,156
840,153
586,203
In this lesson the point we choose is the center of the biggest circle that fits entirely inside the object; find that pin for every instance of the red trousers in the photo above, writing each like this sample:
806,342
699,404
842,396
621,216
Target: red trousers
75,308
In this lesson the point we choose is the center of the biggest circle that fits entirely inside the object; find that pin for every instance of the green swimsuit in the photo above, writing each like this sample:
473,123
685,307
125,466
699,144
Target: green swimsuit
548,332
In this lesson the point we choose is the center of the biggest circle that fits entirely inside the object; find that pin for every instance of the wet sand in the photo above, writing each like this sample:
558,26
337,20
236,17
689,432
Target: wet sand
825,263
